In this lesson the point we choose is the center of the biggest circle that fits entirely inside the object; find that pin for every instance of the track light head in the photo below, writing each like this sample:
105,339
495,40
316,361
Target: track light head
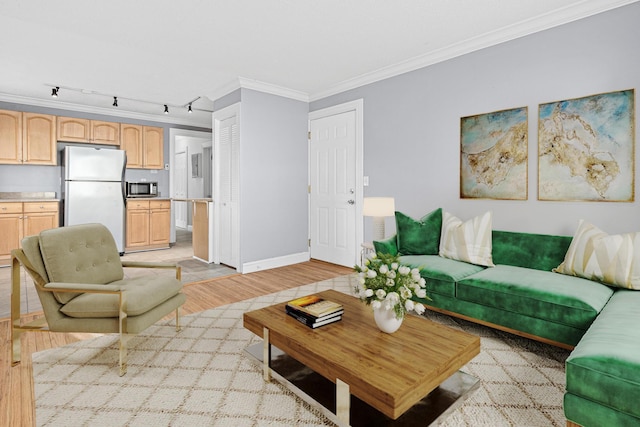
115,101
166,109
54,91
190,110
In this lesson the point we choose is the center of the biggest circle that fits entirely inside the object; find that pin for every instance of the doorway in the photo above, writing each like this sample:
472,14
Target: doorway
336,183
182,185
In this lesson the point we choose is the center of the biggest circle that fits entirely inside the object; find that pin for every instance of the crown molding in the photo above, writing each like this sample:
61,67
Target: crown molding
553,19
62,105
297,95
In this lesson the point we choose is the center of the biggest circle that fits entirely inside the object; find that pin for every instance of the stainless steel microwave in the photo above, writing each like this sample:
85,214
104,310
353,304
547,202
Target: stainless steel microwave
142,189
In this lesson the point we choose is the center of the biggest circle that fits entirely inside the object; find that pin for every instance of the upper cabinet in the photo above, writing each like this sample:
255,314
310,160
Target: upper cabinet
105,132
27,138
30,138
71,129
144,146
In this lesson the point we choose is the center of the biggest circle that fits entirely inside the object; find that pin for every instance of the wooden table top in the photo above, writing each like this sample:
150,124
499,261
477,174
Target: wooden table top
390,372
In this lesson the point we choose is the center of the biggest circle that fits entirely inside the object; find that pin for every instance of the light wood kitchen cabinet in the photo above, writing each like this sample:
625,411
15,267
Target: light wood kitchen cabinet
27,138
40,216
159,222
148,224
105,132
10,136
144,146
153,147
71,129
21,219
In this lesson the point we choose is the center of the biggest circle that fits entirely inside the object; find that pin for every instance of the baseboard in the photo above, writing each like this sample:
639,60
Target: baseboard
266,264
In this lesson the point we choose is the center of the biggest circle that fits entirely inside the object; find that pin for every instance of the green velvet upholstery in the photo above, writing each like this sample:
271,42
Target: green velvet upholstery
419,237
386,246
441,274
544,295
537,251
556,332
605,366
522,294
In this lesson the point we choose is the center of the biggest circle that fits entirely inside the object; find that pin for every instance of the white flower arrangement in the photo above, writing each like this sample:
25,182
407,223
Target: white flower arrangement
384,283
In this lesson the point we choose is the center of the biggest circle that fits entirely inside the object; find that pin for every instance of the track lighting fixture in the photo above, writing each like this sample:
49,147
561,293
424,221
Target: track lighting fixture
188,105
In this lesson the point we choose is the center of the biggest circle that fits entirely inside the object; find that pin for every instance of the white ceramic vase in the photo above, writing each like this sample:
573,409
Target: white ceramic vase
386,320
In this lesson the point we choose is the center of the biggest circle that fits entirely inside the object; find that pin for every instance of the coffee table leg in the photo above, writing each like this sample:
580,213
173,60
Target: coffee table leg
343,401
266,355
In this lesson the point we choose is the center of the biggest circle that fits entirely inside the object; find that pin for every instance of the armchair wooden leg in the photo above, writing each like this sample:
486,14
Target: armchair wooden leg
123,335
178,319
124,342
15,311
15,347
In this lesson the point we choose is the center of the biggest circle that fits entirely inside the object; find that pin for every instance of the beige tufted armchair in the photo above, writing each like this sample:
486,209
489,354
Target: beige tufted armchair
80,281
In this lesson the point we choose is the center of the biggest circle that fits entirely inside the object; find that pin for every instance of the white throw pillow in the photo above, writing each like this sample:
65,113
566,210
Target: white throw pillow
468,241
595,255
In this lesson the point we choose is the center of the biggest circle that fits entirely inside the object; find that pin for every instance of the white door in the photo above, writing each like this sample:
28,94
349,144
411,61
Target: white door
228,163
180,189
333,192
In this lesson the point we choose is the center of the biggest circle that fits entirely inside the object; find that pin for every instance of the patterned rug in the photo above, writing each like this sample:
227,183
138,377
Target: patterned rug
200,376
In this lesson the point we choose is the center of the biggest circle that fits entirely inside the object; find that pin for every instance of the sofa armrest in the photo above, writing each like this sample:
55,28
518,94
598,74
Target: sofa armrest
386,246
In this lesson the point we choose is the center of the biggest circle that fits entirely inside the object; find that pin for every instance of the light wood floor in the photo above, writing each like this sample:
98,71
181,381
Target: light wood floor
16,383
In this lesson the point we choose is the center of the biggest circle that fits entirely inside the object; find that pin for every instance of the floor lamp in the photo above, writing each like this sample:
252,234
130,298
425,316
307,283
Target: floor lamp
378,208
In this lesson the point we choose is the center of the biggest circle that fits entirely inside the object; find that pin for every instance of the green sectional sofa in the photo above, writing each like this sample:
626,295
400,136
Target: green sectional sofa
522,295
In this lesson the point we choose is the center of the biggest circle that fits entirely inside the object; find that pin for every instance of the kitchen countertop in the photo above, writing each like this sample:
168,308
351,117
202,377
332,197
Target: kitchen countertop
42,196
193,199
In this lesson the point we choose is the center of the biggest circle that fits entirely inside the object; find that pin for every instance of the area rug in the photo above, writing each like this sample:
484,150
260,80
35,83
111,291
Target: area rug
200,376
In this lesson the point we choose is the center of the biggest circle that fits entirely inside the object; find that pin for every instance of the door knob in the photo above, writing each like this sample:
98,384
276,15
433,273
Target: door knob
351,202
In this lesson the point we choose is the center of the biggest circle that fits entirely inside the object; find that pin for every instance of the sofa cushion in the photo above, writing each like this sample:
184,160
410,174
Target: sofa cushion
84,253
595,255
141,295
419,237
542,294
468,241
539,251
440,273
605,366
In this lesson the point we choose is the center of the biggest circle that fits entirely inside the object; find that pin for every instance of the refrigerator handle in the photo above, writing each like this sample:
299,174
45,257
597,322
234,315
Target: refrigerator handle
123,182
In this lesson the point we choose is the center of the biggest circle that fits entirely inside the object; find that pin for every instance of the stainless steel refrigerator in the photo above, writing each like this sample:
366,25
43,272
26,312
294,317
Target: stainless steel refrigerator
94,188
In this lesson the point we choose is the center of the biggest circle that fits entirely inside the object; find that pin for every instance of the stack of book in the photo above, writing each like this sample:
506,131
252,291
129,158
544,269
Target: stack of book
314,311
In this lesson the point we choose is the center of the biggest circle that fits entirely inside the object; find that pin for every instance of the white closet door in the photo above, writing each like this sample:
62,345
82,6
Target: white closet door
229,191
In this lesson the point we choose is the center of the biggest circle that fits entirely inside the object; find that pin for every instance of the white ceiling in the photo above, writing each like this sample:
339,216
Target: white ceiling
172,52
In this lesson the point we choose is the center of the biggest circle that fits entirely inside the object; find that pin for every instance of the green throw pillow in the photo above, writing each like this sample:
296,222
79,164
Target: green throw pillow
419,237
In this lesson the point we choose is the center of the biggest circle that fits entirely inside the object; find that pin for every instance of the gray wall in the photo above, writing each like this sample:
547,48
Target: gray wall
30,178
412,121
273,176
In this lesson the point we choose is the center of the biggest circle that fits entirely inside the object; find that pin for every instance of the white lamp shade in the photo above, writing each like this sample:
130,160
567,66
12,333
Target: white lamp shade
378,206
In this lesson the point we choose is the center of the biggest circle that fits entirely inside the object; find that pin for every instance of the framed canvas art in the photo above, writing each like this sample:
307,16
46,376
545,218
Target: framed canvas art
493,155
586,148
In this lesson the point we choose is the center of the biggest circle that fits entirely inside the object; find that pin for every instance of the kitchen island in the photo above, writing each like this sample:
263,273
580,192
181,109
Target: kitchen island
202,222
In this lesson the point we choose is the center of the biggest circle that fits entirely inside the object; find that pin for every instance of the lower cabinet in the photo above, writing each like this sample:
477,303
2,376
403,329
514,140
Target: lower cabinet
21,219
148,224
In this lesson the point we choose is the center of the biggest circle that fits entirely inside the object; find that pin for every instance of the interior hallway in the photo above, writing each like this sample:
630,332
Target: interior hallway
181,252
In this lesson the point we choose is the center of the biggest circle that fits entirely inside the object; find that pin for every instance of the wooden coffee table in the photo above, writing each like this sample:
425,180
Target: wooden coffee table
390,373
